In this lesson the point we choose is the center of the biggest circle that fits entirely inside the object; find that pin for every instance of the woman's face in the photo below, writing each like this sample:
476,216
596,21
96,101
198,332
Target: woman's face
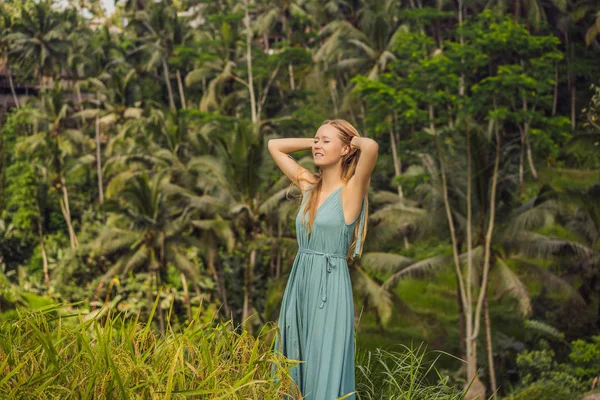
327,146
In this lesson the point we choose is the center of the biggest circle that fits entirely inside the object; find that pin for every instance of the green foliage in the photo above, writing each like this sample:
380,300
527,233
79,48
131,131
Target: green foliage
543,376
14,298
182,186
586,357
543,390
405,374
104,355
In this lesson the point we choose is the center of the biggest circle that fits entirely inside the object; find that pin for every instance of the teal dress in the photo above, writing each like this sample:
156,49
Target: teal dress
316,321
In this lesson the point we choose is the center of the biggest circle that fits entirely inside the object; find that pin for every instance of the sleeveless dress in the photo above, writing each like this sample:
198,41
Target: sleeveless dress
316,321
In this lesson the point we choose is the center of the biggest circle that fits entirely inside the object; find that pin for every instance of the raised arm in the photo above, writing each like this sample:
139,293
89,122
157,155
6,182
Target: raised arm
358,185
280,149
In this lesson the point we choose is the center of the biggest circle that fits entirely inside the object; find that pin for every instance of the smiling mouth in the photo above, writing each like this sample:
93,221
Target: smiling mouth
318,155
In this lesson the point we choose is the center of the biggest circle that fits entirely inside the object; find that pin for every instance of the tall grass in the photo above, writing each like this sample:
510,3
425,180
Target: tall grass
402,375
44,355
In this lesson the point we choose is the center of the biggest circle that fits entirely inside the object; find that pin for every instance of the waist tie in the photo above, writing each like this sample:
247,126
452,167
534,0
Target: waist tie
326,271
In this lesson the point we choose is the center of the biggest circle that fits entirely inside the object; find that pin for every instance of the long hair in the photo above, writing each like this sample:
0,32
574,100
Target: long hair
349,162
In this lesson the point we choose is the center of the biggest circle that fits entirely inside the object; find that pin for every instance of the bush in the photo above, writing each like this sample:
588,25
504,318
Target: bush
543,390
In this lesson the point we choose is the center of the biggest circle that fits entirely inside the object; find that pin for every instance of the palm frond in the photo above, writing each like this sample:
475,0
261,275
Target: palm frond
273,202
377,296
511,285
550,280
112,240
384,262
537,245
183,264
221,228
419,269
544,329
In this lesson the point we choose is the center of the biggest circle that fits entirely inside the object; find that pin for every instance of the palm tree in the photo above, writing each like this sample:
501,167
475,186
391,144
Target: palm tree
234,177
54,145
280,12
174,148
160,30
112,111
366,49
146,231
6,24
38,40
588,10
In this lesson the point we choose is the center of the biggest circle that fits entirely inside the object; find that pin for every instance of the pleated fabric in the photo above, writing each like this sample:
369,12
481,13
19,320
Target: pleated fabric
316,321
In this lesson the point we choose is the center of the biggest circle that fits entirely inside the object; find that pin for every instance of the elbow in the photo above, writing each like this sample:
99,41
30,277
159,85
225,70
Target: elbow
373,146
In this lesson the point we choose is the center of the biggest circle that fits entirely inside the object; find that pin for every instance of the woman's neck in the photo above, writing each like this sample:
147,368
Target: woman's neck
331,177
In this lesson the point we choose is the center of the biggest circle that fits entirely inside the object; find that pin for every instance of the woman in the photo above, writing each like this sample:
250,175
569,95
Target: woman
316,321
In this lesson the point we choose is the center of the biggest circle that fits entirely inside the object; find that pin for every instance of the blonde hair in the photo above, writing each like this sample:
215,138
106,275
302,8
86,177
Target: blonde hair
349,161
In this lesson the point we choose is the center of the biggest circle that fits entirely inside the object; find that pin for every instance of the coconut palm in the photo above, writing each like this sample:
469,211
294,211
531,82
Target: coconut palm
366,49
38,41
173,148
160,29
55,145
6,24
588,11
146,231
113,108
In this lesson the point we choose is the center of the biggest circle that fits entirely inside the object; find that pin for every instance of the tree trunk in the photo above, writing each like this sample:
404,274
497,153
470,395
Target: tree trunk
273,253
555,100
248,292
2,152
12,86
99,163
490,347
42,245
398,172
280,250
181,92
333,93
517,10
210,260
249,62
161,319
530,160
573,101
469,219
471,361
363,115
64,205
161,268
487,253
521,162
525,142
396,160
291,69
186,295
168,82
149,297
462,327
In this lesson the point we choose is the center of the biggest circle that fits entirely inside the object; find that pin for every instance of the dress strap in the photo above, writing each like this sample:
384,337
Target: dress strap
361,227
